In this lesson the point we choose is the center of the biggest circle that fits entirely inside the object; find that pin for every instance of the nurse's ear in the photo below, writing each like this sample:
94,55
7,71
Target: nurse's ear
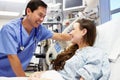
84,31
28,10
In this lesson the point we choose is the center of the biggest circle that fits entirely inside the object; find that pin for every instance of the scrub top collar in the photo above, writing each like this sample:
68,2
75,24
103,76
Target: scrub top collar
21,37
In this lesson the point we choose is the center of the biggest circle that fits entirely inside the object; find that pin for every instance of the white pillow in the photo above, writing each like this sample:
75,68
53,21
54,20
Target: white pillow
108,38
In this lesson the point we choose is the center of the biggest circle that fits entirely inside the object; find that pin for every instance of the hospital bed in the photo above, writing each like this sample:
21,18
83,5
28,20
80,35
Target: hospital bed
107,39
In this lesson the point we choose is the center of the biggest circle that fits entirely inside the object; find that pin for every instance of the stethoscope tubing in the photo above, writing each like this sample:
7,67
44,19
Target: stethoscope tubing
21,37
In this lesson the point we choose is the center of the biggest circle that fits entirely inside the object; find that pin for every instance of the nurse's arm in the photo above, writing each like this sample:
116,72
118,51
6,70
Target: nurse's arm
61,36
16,65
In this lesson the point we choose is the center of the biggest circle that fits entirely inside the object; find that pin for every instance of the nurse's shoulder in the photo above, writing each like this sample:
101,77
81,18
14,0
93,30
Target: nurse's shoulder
11,25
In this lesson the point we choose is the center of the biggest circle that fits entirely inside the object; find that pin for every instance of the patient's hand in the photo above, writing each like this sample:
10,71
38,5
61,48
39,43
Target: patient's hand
38,79
36,76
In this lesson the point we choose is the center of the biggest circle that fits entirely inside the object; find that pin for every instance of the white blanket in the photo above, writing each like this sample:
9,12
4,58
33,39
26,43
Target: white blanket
52,75
13,78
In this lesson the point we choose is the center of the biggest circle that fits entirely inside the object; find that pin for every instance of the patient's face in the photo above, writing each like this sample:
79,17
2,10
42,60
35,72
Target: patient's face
76,33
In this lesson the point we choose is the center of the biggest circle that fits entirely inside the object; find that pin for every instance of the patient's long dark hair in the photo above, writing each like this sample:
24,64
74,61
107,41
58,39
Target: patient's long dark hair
89,38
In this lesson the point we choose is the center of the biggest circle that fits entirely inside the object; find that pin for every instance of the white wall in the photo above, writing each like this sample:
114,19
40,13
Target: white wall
3,21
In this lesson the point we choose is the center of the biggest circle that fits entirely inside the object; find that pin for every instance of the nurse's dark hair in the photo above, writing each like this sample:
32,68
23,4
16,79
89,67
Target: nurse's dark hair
34,4
88,38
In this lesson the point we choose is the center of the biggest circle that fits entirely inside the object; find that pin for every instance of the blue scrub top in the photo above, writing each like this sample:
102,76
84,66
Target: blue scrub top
10,44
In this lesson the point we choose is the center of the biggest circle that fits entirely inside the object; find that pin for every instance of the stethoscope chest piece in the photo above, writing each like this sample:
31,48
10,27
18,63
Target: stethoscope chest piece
21,48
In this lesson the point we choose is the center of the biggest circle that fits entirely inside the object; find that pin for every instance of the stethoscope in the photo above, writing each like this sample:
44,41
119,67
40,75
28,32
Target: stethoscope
22,47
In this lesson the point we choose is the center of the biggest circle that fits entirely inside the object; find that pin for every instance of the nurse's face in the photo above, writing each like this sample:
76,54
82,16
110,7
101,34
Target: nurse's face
36,17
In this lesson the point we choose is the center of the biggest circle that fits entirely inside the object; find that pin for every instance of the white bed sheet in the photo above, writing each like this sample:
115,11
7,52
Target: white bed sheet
52,75
13,78
115,72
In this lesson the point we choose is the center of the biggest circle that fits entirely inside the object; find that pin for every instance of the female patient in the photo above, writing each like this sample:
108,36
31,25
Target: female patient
81,61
